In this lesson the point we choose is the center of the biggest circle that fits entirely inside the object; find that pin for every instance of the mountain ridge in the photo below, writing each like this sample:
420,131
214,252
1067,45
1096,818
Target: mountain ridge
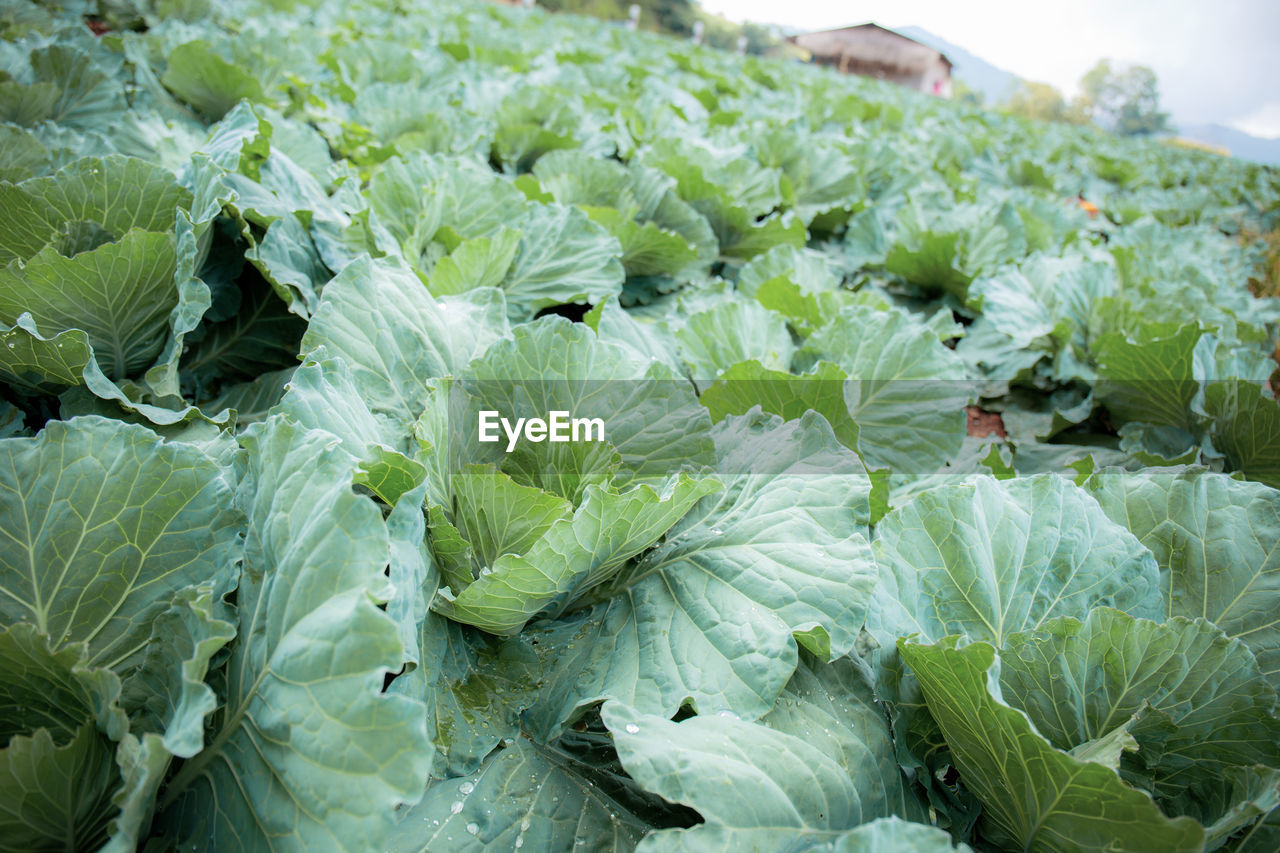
996,84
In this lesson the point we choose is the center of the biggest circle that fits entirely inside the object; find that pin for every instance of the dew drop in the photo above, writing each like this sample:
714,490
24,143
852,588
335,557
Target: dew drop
632,729
456,807
466,788
519,842
716,531
524,825
508,741
473,828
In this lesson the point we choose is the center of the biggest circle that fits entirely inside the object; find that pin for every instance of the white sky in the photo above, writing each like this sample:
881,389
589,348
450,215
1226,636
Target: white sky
1216,60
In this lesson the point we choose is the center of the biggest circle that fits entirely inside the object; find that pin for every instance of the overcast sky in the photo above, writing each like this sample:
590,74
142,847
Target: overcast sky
1216,60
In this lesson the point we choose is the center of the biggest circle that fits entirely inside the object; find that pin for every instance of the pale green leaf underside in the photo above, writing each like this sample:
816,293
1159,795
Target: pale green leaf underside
526,796
305,753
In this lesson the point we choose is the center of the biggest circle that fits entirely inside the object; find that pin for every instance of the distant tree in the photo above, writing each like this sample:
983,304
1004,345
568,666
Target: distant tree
670,16
1038,101
609,10
963,93
665,16
760,39
1125,101
1043,102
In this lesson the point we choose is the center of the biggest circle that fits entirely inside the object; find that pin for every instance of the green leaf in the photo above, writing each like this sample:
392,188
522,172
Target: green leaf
1034,796
750,384
1150,377
88,96
569,556
478,262
822,762
194,299
170,686
120,294
894,835
56,770
126,519
647,248
933,263
1080,681
288,259
22,154
564,257
996,557
55,689
143,763
323,395
198,75
526,796
566,469
473,687
713,340
712,615
117,193
806,269
649,340
69,88
1246,426
1217,543
306,747
574,177
498,516
742,237
261,334
906,391
1243,796
27,106
389,474
251,401
650,415
419,196
380,319
805,311
35,364
660,234
56,795
756,788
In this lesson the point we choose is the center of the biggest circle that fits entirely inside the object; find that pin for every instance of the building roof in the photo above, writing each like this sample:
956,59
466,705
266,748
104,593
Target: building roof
870,44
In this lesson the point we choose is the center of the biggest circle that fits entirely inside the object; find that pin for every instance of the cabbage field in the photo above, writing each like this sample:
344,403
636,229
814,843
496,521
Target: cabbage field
446,426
